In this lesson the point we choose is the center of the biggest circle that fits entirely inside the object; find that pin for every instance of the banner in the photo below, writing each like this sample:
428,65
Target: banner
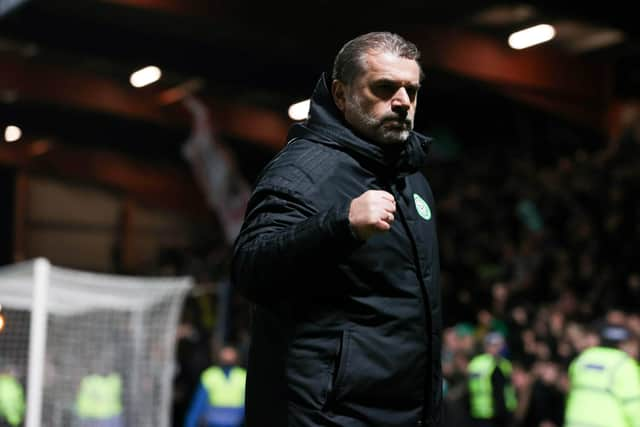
215,170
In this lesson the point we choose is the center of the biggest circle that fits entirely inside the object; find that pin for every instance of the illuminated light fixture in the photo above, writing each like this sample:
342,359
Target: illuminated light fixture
145,76
531,36
12,133
2,322
299,110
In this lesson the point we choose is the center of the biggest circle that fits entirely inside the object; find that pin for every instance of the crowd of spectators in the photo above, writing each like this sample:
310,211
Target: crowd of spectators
543,253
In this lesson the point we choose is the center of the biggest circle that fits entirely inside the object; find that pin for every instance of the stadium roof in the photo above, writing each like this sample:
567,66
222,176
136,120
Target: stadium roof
65,65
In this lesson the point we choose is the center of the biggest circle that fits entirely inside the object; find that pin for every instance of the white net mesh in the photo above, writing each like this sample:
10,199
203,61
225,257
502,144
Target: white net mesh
97,326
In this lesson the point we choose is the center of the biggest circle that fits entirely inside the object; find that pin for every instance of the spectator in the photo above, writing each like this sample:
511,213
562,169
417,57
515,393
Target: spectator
545,404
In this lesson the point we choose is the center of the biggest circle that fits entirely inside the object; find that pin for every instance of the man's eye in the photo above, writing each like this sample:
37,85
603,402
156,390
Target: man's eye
385,90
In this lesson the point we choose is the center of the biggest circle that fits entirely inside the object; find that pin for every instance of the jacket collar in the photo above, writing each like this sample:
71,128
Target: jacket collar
326,125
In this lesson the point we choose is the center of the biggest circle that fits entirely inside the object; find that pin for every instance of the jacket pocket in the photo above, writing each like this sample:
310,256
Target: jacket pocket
375,367
339,367
309,369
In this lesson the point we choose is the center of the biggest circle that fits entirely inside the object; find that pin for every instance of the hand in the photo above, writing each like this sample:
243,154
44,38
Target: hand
371,213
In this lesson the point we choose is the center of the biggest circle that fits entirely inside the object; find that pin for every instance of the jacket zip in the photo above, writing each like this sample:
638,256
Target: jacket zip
423,295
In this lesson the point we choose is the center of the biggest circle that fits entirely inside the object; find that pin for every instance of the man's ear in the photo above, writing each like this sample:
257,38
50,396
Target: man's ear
337,90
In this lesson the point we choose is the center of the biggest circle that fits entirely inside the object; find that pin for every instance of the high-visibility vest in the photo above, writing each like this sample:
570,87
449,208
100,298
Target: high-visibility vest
11,400
99,397
225,391
480,370
604,390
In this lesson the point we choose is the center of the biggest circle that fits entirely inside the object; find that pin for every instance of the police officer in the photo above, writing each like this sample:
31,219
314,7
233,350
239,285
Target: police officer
99,401
12,403
492,398
604,384
219,400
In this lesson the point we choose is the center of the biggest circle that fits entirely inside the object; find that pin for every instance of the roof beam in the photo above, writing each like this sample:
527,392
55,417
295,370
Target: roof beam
155,186
541,76
30,80
182,7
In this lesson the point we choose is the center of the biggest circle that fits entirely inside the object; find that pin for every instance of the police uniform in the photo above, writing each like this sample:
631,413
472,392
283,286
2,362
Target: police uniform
605,387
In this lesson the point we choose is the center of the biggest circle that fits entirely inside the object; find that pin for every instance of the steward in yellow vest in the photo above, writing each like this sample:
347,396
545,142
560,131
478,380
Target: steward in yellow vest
219,400
11,400
604,385
99,401
492,398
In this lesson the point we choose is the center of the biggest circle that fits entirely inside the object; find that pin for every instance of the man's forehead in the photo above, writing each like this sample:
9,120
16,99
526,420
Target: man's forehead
387,66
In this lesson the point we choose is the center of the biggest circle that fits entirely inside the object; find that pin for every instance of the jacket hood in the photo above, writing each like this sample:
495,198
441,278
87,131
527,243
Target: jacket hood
326,125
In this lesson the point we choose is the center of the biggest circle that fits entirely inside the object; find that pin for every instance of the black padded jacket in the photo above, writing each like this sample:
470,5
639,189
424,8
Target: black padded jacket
344,333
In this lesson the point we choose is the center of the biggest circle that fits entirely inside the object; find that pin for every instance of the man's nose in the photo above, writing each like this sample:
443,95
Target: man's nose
401,100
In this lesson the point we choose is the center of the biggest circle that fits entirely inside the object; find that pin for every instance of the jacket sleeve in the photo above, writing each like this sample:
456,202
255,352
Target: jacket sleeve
197,407
283,235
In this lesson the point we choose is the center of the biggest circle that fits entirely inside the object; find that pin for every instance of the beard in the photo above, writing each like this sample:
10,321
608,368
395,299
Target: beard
391,128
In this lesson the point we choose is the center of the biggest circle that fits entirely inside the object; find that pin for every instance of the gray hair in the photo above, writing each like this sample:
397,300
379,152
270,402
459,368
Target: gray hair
349,62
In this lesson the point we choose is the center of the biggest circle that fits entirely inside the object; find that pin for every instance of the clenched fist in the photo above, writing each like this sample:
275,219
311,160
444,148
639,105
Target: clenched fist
371,213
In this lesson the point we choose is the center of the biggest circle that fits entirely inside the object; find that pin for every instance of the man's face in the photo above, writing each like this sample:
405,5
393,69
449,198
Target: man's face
494,348
380,104
228,356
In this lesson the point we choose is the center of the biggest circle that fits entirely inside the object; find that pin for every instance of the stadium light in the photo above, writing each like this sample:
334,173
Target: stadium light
299,110
145,76
532,36
12,133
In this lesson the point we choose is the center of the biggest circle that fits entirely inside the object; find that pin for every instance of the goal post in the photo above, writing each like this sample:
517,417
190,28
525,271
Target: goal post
62,326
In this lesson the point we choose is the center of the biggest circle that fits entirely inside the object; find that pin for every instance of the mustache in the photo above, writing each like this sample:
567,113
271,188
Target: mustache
395,118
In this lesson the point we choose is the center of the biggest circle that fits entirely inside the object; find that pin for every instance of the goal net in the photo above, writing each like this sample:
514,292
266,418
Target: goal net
65,334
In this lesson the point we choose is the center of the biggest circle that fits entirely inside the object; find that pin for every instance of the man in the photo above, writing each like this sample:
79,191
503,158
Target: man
219,400
492,398
338,252
604,384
